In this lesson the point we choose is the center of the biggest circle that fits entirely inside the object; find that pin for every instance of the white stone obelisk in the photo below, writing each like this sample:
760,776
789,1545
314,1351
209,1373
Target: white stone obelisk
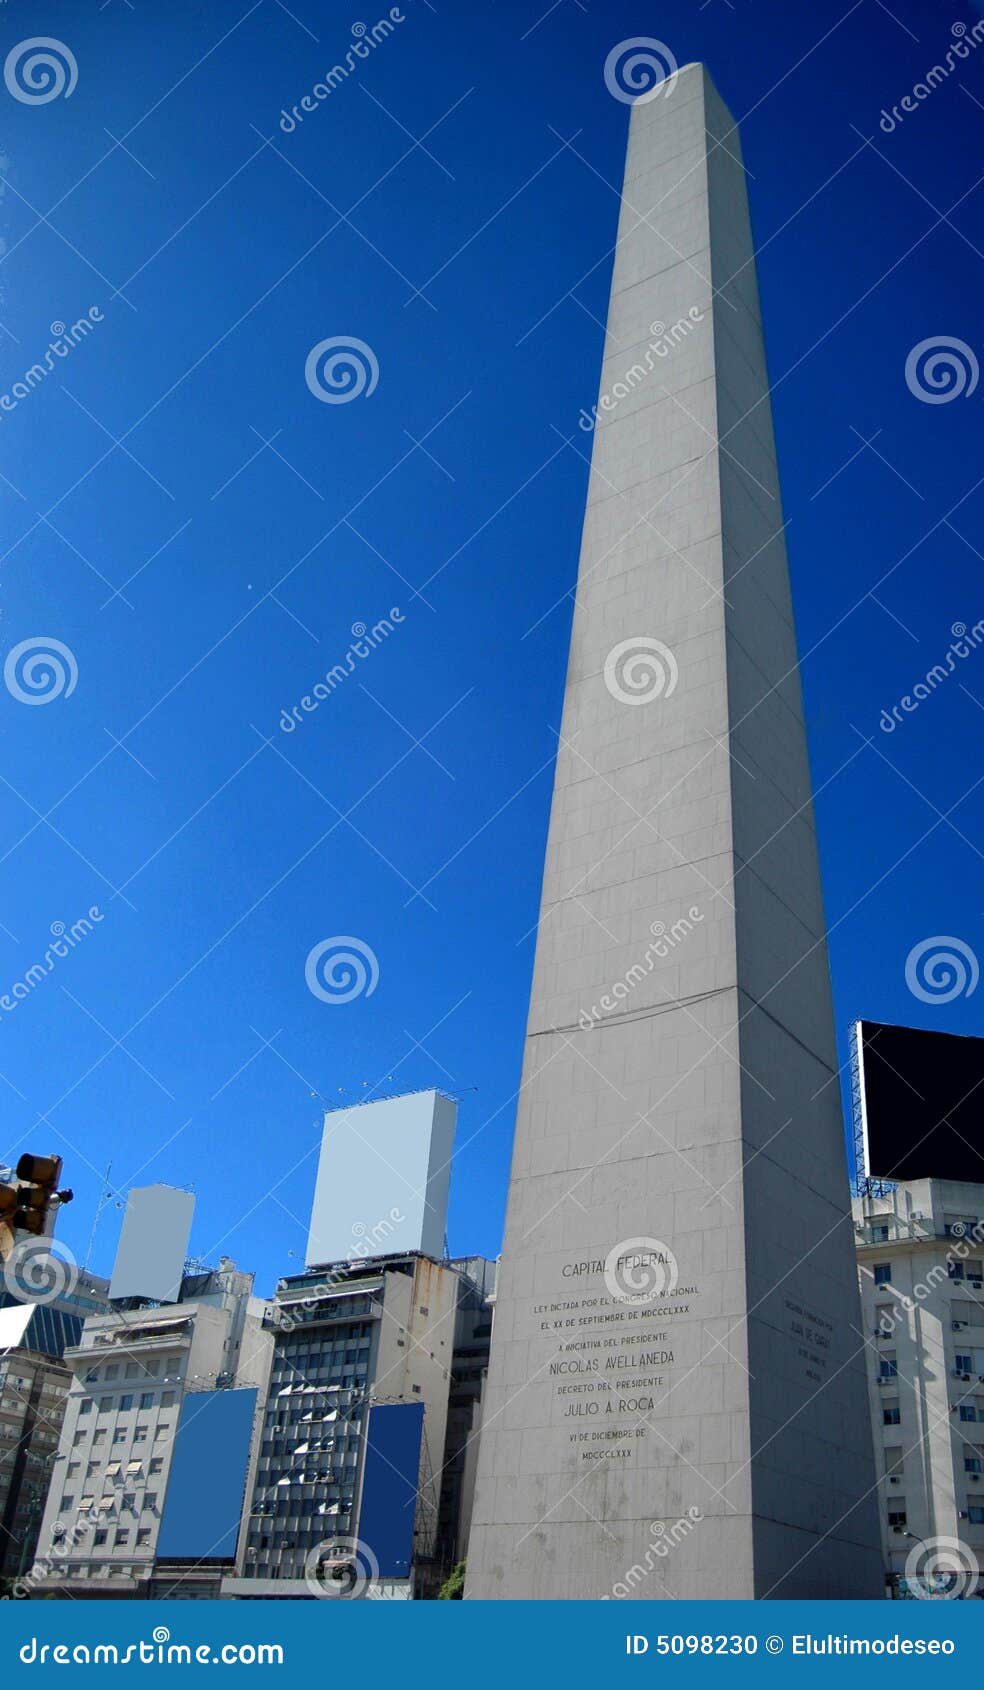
676,1403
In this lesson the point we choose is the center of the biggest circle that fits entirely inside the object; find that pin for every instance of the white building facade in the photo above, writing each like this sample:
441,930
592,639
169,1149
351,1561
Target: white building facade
132,1369
920,1248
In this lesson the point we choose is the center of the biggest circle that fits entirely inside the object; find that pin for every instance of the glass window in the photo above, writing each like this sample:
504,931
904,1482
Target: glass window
167,1399
897,1518
888,1367
975,1514
105,1404
111,1372
891,1415
150,1499
883,1273
968,1411
964,1363
65,1504
973,1464
157,1465
99,1538
140,1435
143,1536
119,1436
147,1399
99,1438
122,1535
132,1370
126,1401
86,1406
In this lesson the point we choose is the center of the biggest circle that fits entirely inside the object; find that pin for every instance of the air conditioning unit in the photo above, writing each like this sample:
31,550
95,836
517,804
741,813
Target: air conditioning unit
959,1325
894,1480
917,1215
963,1515
966,1378
978,1284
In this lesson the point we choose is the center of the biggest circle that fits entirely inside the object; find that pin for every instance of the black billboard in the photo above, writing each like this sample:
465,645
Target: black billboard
921,1102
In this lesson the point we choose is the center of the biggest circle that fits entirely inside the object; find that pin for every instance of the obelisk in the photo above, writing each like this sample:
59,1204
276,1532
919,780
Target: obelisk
676,1403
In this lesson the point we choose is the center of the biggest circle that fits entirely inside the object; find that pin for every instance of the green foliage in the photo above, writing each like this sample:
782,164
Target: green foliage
453,1588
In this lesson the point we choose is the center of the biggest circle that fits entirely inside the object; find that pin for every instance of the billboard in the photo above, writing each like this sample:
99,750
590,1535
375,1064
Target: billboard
383,1177
921,1103
207,1482
153,1244
389,1486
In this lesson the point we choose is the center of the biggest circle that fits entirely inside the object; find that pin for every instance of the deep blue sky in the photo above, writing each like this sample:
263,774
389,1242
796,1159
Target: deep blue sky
217,864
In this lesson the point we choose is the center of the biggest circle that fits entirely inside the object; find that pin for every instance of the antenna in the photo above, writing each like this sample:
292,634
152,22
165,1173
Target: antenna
106,1195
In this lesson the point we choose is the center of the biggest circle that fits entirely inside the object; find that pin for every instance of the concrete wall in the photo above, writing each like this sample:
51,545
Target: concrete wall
678,1075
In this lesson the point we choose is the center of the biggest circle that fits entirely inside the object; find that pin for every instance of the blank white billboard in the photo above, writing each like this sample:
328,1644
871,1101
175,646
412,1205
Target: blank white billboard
153,1244
383,1178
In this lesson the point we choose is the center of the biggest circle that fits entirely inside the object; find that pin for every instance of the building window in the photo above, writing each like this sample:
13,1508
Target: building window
79,1438
888,1367
964,1363
132,1370
879,1235
143,1537
973,1464
65,1504
99,1538
105,1404
157,1464
896,1518
167,1399
147,1399
99,1437
975,1514
955,1270
883,1273
119,1436
140,1435
150,1499
126,1402
162,1431
122,1535
968,1411
111,1372
891,1415
86,1406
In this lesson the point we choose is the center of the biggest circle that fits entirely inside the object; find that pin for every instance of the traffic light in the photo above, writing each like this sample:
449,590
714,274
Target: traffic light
39,1176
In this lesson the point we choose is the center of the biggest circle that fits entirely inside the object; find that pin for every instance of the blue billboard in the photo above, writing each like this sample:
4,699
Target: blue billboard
204,1502
389,1485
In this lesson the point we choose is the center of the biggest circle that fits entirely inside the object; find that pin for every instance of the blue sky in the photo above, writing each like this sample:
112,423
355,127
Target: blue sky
202,533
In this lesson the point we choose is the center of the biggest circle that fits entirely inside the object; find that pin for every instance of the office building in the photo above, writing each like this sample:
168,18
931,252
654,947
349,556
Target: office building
134,1371
920,1247
355,1429
34,1381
